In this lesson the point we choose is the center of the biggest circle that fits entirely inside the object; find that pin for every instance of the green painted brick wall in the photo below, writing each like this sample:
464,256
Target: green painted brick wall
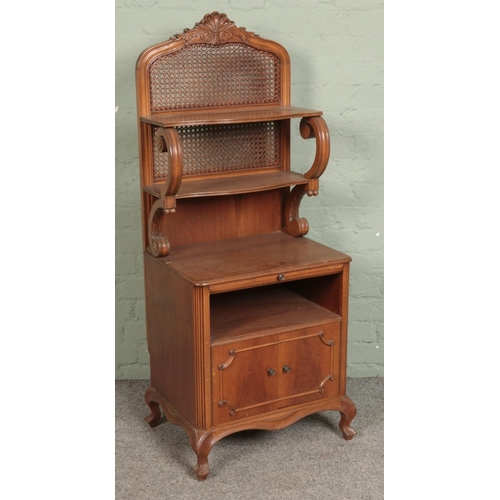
336,51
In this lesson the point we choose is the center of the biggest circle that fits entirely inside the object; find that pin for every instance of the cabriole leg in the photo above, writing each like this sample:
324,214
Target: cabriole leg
347,412
154,418
202,447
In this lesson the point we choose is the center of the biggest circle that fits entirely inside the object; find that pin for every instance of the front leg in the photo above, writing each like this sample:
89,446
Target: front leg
348,412
202,443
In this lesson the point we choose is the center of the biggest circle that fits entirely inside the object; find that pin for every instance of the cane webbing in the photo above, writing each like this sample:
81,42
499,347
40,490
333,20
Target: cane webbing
225,148
204,76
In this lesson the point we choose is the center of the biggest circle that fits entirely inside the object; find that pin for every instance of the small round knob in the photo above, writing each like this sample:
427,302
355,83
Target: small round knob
286,369
270,372
281,277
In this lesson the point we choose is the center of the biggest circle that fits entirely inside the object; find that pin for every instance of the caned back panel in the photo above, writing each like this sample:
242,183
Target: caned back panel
206,76
201,76
211,149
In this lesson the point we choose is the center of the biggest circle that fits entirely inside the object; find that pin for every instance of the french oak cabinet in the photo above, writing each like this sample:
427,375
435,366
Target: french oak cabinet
246,317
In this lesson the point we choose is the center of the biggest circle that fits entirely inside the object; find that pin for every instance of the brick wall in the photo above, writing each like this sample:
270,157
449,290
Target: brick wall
336,52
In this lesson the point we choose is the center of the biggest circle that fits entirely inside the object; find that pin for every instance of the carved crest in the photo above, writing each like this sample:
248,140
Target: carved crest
215,29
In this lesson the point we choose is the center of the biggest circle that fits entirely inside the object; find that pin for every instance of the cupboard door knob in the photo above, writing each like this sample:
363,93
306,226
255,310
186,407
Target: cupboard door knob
281,277
270,372
286,369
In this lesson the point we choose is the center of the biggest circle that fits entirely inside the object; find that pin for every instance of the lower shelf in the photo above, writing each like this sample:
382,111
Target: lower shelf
261,311
235,184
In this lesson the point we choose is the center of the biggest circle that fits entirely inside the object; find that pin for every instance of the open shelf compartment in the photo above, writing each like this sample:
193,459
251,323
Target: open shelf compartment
262,311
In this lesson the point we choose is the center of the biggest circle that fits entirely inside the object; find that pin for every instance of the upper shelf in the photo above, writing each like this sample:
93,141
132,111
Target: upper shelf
227,116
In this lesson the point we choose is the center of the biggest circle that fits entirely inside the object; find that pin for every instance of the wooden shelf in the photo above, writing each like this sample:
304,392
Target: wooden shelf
227,116
234,184
260,258
261,311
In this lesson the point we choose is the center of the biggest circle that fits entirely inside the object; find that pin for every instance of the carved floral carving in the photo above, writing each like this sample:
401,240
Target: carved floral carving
215,29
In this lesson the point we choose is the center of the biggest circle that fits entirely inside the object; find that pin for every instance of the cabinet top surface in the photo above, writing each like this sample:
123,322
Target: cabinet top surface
249,257
227,115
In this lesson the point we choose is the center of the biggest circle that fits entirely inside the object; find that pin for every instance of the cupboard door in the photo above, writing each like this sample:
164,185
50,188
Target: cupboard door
245,378
308,364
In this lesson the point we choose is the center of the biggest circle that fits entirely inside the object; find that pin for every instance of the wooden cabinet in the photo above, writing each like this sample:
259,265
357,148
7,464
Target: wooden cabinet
271,348
246,317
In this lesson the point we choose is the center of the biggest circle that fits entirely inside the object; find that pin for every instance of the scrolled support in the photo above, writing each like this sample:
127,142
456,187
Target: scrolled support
159,245
295,225
167,141
315,126
311,126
